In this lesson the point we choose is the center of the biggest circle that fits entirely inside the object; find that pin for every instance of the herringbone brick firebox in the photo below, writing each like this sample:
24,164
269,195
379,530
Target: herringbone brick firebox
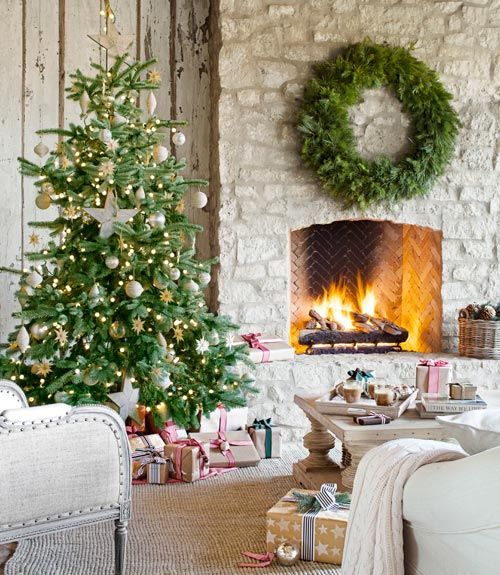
399,263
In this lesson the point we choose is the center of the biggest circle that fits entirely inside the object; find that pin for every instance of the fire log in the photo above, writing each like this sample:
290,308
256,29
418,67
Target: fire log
319,318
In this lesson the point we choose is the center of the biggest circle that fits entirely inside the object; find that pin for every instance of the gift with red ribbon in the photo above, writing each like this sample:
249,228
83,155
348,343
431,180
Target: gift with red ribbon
434,376
265,347
190,459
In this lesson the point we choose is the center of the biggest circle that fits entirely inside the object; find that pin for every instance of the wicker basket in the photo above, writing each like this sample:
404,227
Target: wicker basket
478,338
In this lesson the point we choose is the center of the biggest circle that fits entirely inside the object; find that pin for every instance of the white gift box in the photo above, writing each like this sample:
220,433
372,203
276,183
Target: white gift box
438,373
265,347
236,419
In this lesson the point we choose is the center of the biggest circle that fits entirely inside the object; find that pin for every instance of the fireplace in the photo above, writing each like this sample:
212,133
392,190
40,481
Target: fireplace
365,286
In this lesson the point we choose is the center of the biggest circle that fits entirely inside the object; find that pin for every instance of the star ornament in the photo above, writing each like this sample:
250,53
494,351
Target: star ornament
178,333
42,369
109,215
166,296
126,400
202,346
61,336
138,325
34,239
113,42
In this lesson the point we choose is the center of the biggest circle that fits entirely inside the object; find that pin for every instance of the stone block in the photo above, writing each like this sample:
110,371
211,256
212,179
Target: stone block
254,271
248,98
275,74
280,10
479,249
463,229
260,248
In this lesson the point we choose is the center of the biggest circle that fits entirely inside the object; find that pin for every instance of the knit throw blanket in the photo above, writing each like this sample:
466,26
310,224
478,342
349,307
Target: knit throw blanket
374,544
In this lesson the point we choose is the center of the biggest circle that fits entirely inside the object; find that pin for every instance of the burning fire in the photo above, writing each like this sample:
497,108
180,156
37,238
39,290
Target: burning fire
337,303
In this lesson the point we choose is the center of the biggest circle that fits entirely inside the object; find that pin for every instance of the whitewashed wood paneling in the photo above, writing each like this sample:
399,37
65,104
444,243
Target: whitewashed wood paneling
41,43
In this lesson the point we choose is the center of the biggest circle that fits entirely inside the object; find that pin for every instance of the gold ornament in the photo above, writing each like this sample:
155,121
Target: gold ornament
71,212
38,331
166,296
160,154
154,76
178,333
61,336
180,207
138,325
113,42
117,330
287,553
64,162
34,239
43,201
42,369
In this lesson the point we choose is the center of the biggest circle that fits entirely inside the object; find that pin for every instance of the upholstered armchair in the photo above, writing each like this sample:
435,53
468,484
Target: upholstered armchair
61,467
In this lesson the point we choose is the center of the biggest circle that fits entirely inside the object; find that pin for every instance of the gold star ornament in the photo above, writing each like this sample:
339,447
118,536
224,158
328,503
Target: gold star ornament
61,336
34,239
42,368
178,333
154,76
113,42
166,296
138,325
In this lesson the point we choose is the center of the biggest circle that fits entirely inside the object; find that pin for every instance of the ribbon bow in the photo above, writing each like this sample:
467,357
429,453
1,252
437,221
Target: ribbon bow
360,375
262,423
253,340
148,455
433,362
383,418
326,497
202,457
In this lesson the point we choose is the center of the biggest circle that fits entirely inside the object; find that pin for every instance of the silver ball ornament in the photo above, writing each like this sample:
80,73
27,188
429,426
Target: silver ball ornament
61,397
160,154
94,292
204,278
159,282
133,289
156,219
175,274
47,188
117,330
214,338
112,262
38,331
164,381
287,553
106,135
34,279
192,286
199,200
179,139
87,379
41,149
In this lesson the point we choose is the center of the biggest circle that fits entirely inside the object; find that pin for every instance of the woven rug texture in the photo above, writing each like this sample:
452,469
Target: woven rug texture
178,529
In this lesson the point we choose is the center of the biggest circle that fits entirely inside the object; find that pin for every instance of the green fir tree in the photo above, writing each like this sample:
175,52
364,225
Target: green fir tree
115,299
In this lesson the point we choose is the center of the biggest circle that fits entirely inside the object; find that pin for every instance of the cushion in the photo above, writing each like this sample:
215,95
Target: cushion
476,431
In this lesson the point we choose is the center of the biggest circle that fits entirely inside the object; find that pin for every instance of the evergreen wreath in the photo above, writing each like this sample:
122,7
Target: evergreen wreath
329,144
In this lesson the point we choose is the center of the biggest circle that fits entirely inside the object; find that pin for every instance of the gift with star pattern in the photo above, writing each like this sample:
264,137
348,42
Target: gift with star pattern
319,532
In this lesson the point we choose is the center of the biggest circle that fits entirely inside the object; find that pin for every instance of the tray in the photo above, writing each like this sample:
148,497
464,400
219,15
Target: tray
338,406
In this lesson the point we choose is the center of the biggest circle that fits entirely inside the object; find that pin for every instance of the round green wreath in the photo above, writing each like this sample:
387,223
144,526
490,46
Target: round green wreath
328,142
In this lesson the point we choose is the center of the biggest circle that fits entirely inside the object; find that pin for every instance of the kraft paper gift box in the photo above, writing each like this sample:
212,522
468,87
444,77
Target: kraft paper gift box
320,535
434,376
266,438
230,449
265,347
158,472
189,459
138,446
236,419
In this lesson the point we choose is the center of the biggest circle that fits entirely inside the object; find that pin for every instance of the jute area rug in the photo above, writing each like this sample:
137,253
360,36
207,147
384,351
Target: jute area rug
181,529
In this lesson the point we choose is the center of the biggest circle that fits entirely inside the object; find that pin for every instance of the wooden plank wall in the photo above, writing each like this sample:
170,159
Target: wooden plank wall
41,43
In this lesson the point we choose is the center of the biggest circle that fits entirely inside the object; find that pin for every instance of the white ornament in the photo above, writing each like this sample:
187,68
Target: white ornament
94,292
202,345
175,274
199,200
214,337
192,286
34,279
156,219
160,338
118,119
84,102
41,149
23,339
109,215
160,154
112,145
38,331
106,135
112,262
133,289
151,103
179,139
204,278
230,340
127,400
140,196
164,381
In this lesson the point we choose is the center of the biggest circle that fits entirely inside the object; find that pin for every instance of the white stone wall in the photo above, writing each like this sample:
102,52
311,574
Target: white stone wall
266,56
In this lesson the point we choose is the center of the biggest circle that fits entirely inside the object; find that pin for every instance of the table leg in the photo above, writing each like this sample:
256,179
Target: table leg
318,467
352,452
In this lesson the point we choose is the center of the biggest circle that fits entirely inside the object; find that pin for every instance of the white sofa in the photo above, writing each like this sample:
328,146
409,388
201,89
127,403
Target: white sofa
61,467
452,517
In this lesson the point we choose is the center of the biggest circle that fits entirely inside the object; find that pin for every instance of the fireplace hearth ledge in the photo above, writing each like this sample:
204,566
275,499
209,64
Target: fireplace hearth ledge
278,381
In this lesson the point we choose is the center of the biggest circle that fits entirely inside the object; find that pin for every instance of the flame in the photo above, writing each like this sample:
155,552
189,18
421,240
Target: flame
337,303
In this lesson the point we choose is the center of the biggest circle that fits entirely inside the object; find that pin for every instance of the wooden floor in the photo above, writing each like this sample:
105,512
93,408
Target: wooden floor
6,552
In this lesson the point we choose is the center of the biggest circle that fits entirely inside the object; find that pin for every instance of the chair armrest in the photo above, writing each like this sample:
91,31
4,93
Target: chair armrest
71,465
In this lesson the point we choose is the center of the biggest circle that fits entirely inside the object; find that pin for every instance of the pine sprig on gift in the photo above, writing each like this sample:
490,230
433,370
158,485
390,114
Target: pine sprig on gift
307,502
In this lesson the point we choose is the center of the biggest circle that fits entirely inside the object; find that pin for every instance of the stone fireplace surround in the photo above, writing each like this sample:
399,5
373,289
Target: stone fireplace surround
265,52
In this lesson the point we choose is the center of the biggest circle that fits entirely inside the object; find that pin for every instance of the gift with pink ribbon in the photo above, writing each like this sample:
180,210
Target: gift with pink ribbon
265,347
434,376
190,459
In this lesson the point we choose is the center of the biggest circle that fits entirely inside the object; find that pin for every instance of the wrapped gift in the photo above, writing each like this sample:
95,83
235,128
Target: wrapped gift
171,433
463,391
319,533
229,449
189,458
228,420
266,438
158,469
433,376
139,446
265,347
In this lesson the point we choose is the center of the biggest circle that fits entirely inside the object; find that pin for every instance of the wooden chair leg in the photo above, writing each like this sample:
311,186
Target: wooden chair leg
120,546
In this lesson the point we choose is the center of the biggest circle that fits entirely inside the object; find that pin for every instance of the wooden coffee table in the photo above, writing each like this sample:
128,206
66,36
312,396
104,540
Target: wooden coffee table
350,441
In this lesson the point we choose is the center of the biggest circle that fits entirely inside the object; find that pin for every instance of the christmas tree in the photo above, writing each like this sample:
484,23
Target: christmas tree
112,307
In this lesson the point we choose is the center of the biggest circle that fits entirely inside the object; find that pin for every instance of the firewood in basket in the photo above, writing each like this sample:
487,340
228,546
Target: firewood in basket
360,317
319,318
364,327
